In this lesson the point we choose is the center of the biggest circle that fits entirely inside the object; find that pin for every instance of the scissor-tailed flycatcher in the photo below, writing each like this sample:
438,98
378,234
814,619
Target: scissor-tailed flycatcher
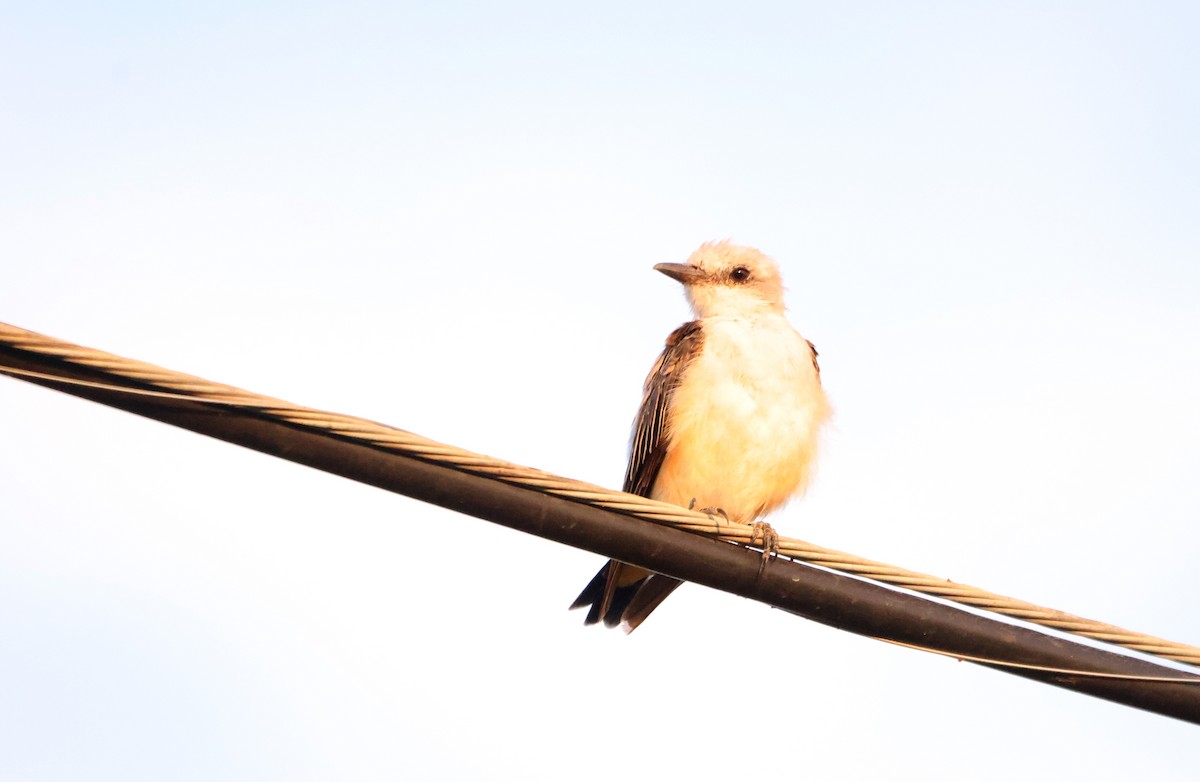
730,419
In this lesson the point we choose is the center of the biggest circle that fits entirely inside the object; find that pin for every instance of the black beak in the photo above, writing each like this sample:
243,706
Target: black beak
684,273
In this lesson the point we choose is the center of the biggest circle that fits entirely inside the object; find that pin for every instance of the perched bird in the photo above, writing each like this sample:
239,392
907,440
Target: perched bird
730,417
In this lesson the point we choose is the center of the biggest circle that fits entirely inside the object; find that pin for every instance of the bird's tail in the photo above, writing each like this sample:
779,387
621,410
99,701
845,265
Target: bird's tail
623,595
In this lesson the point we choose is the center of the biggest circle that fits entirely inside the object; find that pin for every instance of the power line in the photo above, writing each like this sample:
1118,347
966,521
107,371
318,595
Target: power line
599,520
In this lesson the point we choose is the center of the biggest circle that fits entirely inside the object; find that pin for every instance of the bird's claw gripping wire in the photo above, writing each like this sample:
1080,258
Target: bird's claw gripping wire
712,513
764,533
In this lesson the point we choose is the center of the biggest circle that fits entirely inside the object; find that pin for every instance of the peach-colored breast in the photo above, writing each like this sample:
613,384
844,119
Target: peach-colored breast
745,422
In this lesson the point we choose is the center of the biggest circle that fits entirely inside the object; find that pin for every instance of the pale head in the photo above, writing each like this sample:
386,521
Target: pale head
726,280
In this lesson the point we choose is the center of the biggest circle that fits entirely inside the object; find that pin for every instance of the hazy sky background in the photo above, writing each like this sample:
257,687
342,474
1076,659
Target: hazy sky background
444,218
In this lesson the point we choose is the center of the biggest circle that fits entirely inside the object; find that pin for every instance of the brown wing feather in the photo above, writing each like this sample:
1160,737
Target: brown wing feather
648,445
618,587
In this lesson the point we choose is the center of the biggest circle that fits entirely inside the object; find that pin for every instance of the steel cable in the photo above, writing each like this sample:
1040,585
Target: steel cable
163,382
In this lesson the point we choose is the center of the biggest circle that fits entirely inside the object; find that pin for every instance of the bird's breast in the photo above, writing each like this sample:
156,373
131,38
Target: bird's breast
744,422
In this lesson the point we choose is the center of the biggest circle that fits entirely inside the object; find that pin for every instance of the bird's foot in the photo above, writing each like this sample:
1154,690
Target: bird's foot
764,533
712,513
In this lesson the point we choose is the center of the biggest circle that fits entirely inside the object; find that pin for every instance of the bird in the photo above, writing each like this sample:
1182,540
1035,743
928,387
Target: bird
730,419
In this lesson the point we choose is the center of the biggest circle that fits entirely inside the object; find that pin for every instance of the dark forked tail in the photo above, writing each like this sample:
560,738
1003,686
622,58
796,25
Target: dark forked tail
623,595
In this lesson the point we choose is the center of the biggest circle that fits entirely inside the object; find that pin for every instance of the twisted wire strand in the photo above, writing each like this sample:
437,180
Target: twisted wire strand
1137,677
165,382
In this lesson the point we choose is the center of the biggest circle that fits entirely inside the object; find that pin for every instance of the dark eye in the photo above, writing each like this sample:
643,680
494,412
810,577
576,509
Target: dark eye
740,274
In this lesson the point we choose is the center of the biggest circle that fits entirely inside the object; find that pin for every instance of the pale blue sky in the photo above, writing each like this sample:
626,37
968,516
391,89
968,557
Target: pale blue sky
444,218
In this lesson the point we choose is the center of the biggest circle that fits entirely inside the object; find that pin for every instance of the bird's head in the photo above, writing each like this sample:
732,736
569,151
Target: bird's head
725,280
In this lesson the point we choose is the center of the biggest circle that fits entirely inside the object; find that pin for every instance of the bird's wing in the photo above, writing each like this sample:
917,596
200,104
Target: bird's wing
625,593
813,348
648,447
